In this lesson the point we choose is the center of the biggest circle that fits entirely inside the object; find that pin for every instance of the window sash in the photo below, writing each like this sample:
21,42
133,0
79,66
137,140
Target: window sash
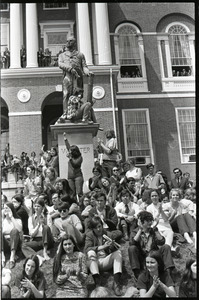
180,50
187,131
137,138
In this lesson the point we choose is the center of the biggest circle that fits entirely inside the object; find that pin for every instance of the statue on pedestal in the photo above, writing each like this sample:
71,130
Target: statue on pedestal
74,66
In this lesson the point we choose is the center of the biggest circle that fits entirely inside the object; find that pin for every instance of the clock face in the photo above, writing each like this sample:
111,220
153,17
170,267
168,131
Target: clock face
23,95
98,92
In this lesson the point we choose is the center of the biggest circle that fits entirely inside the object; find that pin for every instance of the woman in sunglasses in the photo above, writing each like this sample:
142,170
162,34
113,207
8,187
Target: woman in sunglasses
67,223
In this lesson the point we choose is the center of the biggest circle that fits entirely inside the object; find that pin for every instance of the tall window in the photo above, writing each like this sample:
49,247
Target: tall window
129,52
187,133
181,61
58,5
137,135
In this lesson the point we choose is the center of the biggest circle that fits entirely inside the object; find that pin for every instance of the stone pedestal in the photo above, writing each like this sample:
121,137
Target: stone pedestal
77,134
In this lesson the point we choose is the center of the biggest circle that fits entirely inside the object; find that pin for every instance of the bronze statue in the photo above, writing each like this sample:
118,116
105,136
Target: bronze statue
74,66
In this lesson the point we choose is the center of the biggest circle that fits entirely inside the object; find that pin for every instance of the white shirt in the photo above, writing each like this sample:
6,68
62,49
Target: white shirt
185,206
71,219
7,225
154,210
121,208
33,222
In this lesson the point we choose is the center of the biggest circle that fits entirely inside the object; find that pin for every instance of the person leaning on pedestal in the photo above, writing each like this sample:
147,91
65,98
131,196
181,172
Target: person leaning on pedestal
110,153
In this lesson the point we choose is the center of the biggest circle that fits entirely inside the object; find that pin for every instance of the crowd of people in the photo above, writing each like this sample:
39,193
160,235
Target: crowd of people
88,228
44,58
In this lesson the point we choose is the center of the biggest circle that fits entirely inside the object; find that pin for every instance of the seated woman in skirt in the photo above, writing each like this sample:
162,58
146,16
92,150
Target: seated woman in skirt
70,270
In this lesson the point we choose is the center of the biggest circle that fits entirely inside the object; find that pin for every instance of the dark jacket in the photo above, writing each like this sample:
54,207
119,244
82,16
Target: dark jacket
182,185
97,183
22,213
157,239
110,219
92,242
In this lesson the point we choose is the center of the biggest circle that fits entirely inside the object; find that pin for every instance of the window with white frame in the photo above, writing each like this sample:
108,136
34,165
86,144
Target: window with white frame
181,61
57,5
187,133
128,51
55,34
137,135
177,53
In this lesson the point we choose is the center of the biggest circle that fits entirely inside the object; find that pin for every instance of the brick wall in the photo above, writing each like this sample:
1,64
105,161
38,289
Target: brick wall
25,134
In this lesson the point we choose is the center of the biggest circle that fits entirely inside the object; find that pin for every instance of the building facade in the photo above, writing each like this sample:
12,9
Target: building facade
143,58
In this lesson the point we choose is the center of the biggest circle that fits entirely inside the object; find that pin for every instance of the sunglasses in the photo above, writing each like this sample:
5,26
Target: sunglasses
63,210
176,172
115,170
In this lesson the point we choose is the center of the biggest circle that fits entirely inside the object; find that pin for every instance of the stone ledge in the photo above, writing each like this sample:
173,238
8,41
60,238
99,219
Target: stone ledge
70,127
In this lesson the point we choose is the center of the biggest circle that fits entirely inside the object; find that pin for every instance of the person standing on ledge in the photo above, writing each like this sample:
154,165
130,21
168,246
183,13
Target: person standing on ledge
73,64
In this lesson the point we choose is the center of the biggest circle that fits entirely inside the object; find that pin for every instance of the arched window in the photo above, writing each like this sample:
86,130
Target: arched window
181,61
129,51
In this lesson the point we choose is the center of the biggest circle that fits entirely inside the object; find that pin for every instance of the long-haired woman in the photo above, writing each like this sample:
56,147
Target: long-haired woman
31,282
188,283
75,175
155,281
70,270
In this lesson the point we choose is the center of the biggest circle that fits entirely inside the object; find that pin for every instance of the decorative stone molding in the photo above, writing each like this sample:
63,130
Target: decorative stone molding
98,92
23,95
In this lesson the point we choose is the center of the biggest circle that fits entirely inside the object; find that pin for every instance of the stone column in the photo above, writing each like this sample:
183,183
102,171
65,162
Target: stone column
103,37
168,57
141,50
192,51
31,35
160,57
83,31
15,40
